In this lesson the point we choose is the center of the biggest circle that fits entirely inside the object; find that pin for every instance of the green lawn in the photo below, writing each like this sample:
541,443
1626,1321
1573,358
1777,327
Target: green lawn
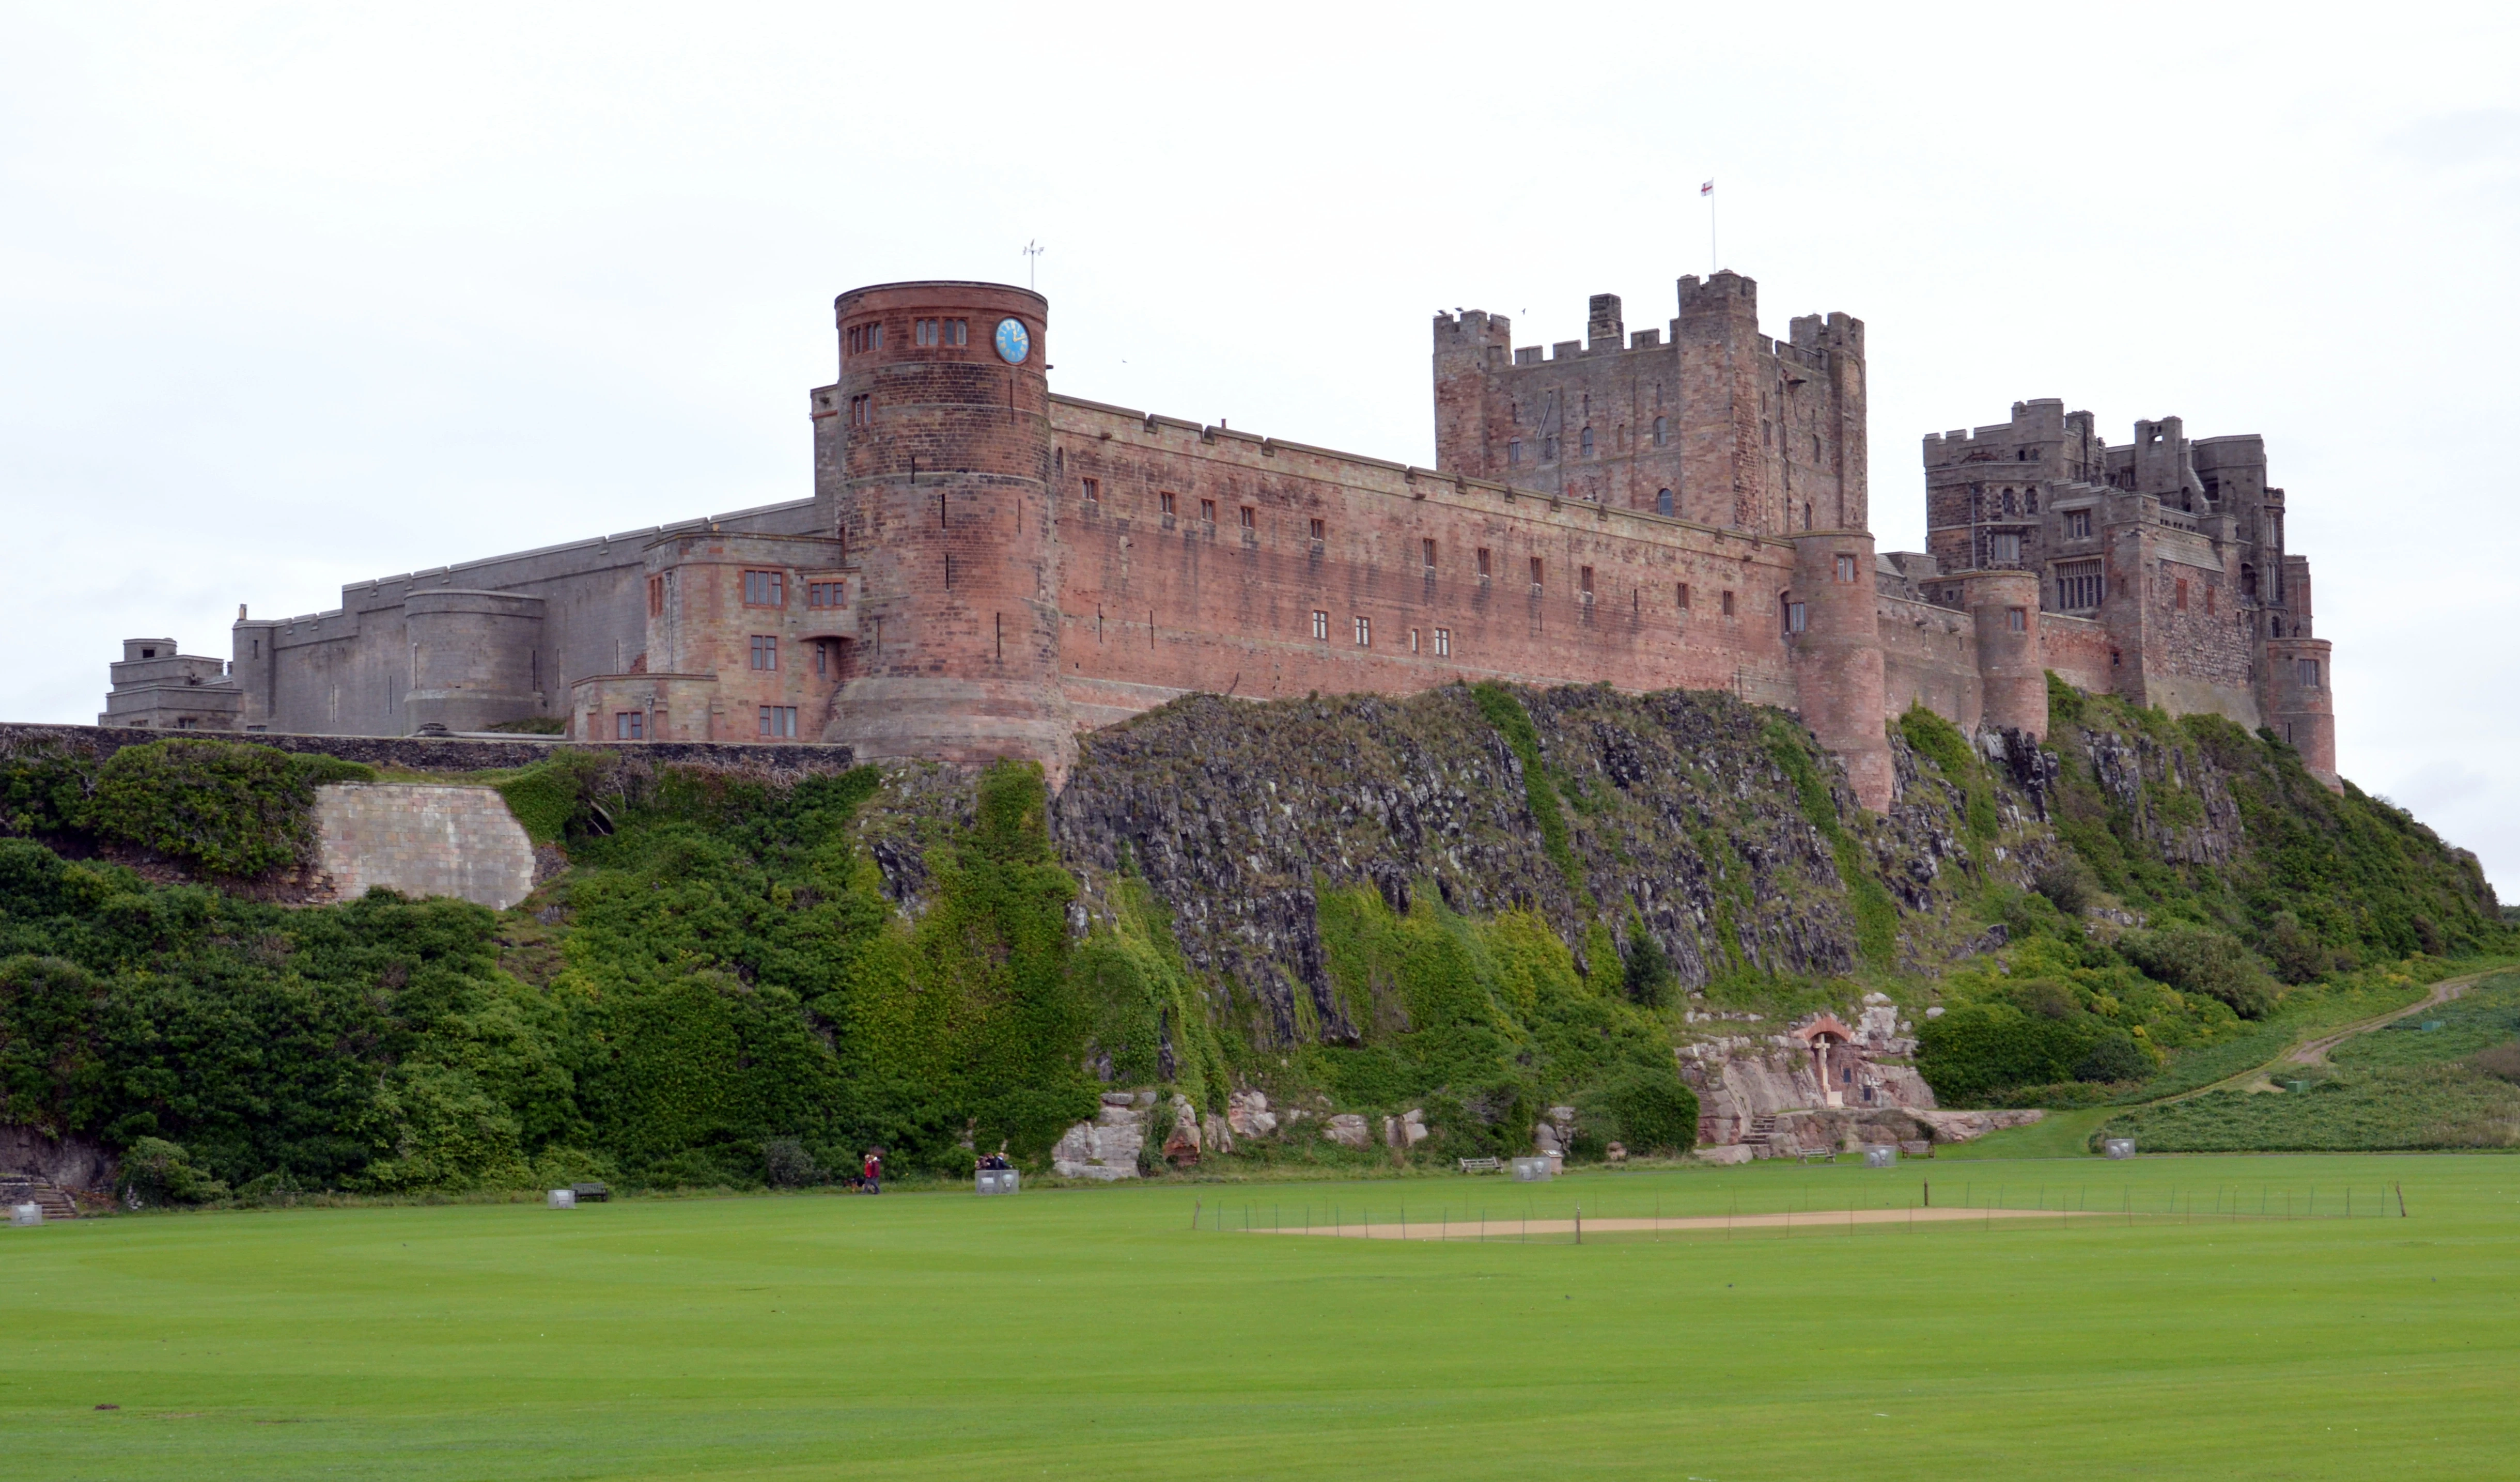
1093,1335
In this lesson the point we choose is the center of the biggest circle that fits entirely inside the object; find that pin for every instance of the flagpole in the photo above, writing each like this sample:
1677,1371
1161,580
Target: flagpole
1714,258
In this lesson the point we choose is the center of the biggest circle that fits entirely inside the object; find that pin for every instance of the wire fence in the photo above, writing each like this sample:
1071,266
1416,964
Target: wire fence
1772,1212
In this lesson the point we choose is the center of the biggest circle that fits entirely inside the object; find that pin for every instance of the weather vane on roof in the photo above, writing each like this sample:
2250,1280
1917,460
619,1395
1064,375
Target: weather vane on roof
1032,252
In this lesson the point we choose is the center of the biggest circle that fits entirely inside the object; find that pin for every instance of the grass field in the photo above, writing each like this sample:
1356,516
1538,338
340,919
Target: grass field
1093,1334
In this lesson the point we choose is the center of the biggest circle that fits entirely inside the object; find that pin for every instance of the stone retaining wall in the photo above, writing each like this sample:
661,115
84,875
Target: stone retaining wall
422,753
422,839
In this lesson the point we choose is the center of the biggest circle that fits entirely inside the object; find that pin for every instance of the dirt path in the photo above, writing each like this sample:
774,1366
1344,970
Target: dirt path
1818,1219
2314,1052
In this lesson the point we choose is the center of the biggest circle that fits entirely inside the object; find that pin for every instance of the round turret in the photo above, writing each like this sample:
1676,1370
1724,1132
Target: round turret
944,501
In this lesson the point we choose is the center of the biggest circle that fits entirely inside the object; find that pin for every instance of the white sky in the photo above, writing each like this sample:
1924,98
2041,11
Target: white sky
295,296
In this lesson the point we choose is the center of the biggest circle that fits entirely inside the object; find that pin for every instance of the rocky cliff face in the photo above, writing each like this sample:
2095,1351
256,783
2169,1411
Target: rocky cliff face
1676,809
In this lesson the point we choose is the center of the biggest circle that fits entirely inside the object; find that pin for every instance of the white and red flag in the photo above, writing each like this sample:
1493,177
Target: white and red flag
1708,189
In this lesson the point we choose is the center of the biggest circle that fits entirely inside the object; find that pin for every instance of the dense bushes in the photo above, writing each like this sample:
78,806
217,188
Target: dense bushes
1485,1022
225,808
2200,960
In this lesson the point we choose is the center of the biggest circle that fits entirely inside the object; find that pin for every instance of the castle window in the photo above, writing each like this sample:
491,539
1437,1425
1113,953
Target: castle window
2308,672
1584,582
1846,569
2078,586
1684,597
1094,491
1767,434
1587,442
1662,501
864,337
2178,597
861,411
1548,450
2078,525
1250,518
2007,501
779,720
1484,571
922,333
629,724
765,651
1806,517
2030,501
765,589
1208,511
2209,599
2248,581
956,331
1814,447
1535,576
822,661
2005,547
1322,626
1727,605
1795,614
1365,631
656,595
1426,549
1164,500
1662,432
1321,529
1412,640
2017,620
1513,452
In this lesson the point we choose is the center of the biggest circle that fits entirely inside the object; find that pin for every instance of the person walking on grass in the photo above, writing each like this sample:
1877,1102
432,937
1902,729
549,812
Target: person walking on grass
875,1170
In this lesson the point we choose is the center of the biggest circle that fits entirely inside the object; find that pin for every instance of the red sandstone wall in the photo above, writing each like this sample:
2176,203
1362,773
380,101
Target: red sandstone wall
1929,657
1153,607
2077,650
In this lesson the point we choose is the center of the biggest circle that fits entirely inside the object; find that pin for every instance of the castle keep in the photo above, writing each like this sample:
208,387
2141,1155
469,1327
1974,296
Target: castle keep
986,567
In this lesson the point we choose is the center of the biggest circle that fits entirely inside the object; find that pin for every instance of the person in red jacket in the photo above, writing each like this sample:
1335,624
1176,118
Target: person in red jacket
875,1170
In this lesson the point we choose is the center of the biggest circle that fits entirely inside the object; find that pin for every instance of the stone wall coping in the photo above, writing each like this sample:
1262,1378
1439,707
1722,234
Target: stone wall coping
431,753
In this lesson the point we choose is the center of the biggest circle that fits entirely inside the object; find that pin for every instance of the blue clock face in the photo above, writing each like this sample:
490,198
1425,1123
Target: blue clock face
1014,342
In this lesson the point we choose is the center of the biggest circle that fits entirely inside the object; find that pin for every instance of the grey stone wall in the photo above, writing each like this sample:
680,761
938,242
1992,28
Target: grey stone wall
422,838
421,754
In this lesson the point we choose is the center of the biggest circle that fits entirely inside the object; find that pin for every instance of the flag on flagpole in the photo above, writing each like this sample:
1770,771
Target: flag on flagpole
1708,189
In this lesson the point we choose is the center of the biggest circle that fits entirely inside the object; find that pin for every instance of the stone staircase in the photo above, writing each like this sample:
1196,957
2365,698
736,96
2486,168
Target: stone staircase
43,1192
1761,1128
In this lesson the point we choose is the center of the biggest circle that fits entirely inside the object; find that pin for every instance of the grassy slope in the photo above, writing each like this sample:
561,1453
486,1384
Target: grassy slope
1091,1335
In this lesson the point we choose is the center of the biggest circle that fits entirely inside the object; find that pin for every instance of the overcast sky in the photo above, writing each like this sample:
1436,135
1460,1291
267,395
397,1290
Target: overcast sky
293,296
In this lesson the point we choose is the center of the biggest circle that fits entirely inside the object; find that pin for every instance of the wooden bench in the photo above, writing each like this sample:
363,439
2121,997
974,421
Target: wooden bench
590,1193
1480,1165
1820,1158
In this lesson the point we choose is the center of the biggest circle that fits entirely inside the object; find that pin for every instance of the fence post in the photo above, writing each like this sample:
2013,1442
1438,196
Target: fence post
2402,1199
1193,1214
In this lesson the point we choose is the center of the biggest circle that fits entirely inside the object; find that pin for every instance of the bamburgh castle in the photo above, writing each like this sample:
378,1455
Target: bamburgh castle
986,567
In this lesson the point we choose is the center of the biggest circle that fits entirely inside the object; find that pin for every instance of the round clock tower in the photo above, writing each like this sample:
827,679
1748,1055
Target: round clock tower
944,501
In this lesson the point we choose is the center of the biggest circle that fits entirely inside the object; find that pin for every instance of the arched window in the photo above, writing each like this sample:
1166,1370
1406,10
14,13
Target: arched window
1662,501
1662,429
2248,581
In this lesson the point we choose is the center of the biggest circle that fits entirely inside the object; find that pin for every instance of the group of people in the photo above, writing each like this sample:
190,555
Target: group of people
870,1181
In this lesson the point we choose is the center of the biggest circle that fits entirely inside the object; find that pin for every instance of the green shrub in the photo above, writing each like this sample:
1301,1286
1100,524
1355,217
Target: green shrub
1645,1112
786,1164
2202,959
223,807
1976,1051
155,1171
1647,977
